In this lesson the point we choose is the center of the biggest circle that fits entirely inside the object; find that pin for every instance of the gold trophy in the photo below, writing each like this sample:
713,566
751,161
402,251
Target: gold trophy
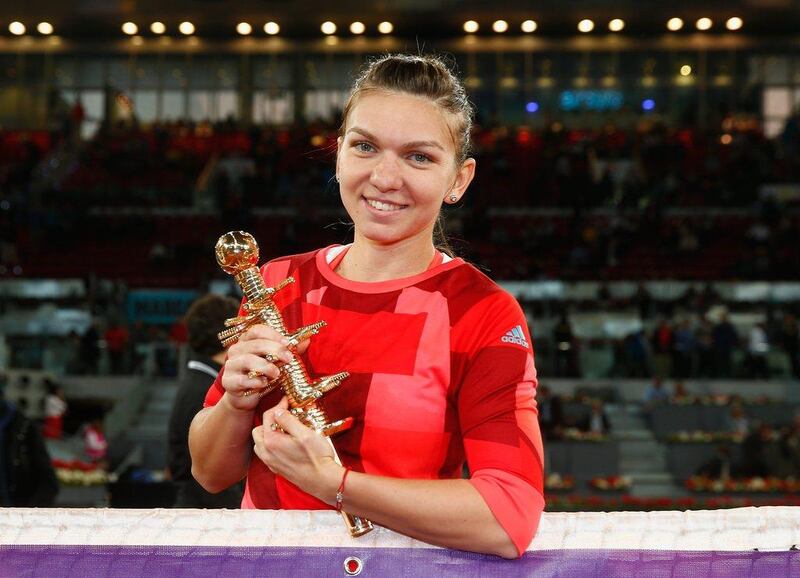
237,254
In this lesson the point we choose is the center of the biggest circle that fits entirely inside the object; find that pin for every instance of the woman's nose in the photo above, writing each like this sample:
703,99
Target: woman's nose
386,174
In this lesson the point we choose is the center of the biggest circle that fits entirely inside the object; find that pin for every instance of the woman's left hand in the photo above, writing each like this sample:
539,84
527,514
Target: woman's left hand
297,453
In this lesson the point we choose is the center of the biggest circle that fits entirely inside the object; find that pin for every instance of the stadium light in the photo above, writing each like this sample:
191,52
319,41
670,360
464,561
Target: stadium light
385,27
616,25
130,28
674,24
648,104
272,28
357,28
704,24
45,28
244,28
734,23
500,26
529,26
158,28
585,25
328,28
471,27
16,28
686,70
186,28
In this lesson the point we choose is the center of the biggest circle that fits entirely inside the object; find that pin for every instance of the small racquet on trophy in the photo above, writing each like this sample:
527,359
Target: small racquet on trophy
237,254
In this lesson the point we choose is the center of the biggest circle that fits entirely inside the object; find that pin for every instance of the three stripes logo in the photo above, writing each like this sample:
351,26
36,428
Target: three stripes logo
515,335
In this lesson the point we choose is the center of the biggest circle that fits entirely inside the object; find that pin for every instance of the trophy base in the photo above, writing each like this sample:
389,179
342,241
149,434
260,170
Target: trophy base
359,526
337,426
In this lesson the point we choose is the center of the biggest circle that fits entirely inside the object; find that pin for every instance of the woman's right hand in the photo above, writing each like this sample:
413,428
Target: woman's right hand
250,356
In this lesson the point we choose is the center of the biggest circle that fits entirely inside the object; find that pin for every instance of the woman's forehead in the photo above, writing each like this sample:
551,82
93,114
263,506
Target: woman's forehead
400,116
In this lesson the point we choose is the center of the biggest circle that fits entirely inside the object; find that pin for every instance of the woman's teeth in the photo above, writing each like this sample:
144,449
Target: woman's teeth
384,206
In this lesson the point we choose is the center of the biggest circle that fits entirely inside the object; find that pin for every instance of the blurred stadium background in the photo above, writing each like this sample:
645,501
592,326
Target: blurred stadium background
638,190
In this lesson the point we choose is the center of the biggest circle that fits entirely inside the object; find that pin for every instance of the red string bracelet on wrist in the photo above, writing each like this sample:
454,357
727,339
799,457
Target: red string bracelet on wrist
340,491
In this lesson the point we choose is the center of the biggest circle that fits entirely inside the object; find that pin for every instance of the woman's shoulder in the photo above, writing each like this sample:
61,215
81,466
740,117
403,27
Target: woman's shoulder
279,268
466,282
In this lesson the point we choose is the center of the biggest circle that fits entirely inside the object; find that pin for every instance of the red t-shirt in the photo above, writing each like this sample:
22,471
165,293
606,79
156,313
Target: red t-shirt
441,370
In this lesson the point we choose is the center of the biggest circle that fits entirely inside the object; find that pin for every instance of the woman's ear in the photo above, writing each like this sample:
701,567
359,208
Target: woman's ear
463,178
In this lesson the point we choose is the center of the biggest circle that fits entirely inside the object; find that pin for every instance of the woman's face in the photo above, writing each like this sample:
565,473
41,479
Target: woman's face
396,165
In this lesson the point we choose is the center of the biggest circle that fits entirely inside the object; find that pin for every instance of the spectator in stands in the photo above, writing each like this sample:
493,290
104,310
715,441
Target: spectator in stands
655,394
662,349
55,406
679,393
140,344
790,340
704,335
790,446
683,350
596,421
720,467
95,444
551,412
637,355
27,478
76,116
117,338
757,351
737,420
90,349
754,459
725,341
204,320
566,354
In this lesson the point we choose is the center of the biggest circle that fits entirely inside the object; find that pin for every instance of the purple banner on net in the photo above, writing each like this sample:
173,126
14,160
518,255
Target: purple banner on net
204,561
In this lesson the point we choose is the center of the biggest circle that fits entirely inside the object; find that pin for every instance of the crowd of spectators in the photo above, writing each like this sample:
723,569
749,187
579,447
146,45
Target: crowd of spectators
692,336
532,211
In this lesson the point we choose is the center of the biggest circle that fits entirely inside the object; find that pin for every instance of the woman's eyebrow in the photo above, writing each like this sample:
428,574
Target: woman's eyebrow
411,145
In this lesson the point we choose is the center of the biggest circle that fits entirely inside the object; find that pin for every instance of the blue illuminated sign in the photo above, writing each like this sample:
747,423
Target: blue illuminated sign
590,100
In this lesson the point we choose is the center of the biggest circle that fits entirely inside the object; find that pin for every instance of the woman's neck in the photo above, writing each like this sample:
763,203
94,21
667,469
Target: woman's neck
369,262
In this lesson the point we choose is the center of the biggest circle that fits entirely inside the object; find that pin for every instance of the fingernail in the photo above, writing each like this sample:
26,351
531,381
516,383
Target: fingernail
287,357
278,412
285,341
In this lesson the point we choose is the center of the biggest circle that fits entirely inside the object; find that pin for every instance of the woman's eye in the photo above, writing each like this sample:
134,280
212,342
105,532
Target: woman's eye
363,147
420,158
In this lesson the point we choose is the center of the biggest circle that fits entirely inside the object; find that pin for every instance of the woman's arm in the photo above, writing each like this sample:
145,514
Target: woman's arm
219,437
450,513
219,443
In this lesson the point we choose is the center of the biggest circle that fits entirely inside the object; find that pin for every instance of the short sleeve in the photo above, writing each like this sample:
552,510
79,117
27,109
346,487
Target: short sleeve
498,417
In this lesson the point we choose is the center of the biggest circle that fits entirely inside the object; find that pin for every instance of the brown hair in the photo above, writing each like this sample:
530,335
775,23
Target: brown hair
425,76
205,318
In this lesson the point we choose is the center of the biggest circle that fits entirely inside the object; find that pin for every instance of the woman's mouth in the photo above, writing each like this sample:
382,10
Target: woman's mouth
384,206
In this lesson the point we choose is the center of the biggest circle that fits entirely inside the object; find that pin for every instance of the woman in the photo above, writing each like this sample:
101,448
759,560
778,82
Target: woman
440,358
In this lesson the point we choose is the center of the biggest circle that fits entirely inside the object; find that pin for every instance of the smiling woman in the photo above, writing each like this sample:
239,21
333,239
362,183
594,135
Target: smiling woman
433,383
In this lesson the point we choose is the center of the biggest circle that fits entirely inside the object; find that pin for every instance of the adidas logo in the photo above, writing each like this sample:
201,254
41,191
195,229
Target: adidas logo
515,335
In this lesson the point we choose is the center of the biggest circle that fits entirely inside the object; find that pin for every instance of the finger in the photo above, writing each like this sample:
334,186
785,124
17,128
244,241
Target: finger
268,418
250,364
262,331
271,350
289,423
302,346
